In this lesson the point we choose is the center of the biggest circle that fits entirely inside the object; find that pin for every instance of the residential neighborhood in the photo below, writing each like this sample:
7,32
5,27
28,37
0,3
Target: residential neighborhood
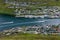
48,29
30,10
50,12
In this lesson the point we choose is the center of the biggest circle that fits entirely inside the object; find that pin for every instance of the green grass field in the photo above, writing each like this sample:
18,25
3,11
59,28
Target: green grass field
30,37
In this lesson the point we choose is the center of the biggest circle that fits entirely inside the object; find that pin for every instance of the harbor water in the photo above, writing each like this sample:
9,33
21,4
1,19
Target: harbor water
7,22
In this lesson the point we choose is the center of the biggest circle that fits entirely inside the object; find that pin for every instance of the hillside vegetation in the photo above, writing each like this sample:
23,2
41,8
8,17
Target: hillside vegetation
30,37
5,10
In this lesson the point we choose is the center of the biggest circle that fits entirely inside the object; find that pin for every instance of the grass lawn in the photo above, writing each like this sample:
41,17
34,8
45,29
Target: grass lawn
5,10
30,37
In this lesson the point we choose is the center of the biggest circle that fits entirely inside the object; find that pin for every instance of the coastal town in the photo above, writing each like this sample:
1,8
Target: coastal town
29,19
32,10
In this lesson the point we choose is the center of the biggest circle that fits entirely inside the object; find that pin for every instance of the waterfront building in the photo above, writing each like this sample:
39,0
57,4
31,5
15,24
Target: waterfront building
33,30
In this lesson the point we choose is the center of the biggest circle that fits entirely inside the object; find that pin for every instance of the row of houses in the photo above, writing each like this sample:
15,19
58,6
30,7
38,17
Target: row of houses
43,29
17,3
46,29
50,11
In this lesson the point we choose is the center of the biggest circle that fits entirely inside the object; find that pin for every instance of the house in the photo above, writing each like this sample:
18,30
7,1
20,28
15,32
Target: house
12,31
33,30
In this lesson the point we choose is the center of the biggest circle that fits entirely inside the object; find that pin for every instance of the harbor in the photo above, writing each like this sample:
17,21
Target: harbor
8,22
29,19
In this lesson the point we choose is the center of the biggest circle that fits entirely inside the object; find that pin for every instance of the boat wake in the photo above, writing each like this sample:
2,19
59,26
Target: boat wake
20,23
7,23
34,22
41,21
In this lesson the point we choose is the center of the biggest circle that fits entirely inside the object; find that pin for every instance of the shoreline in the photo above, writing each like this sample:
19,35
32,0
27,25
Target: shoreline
42,16
29,16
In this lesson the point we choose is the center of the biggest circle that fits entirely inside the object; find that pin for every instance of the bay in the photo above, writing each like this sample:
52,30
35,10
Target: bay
7,22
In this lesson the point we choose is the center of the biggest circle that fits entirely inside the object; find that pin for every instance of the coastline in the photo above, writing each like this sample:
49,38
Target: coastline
9,14
41,16
28,16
